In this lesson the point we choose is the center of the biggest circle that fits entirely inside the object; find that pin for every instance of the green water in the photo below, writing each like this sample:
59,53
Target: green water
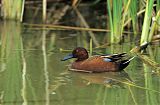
32,74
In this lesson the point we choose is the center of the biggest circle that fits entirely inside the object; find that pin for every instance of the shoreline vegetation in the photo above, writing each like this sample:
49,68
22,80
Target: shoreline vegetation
120,15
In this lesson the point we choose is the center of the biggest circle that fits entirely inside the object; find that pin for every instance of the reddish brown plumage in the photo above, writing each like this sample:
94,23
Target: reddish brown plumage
95,64
99,63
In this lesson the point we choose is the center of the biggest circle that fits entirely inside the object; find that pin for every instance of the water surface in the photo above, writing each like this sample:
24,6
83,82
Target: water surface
32,73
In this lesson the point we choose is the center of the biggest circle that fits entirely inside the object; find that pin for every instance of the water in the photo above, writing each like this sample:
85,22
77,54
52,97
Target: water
32,73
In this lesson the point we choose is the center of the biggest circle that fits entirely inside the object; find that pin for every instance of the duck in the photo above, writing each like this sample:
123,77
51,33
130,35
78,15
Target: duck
96,63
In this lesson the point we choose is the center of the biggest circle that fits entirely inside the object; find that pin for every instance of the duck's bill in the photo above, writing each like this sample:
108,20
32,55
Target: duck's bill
67,57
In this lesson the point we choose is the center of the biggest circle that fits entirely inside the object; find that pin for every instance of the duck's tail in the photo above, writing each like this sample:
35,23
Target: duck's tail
124,63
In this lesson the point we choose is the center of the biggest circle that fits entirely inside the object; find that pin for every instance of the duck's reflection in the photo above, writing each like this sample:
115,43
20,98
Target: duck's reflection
109,79
79,79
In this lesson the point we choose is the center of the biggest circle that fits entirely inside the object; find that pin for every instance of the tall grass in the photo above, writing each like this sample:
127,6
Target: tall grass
118,11
115,14
133,9
153,26
147,21
12,9
158,6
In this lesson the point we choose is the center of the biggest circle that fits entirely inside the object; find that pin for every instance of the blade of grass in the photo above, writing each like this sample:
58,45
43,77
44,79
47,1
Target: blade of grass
90,47
12,9
110,20
147,20
124,15
153,26
133,9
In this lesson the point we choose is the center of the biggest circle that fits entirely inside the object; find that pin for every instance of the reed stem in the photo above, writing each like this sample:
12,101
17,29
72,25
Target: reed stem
12,9
147,21
44,10
153,26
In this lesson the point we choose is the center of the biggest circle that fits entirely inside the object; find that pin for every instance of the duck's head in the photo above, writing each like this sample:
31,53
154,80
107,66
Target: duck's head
80,53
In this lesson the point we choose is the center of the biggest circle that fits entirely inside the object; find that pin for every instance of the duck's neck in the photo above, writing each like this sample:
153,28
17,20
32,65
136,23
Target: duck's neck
81,58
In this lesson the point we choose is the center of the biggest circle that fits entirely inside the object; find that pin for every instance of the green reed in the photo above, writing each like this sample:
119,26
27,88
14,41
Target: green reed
13,9
147,21
158,5
115,14
90,47
153,26
118,11
133,9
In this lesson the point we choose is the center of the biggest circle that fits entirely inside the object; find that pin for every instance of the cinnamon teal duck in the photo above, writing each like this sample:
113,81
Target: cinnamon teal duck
98,63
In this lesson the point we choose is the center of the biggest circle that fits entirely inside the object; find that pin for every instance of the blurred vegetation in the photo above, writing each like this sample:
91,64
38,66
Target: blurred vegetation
140,17
12,9
31,71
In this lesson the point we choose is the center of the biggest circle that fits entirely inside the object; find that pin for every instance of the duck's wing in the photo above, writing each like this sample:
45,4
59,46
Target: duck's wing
114,57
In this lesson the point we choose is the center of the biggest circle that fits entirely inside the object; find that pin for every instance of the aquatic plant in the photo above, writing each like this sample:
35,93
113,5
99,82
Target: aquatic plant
119,10
114,12
147,21
133,9
12,9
